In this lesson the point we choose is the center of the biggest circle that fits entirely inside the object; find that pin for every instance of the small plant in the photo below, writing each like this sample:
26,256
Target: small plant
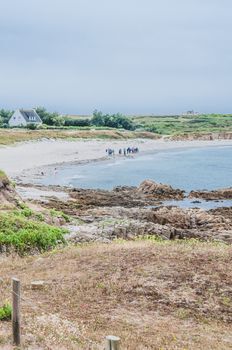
27,212
39,216
5,312
59,214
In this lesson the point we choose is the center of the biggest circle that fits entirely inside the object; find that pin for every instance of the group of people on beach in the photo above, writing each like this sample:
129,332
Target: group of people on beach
122,151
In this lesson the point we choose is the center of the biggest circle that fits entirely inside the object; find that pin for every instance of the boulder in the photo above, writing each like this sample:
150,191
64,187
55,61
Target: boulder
224,193
150,188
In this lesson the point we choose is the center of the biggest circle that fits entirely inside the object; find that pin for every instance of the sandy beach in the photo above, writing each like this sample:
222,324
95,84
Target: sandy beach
29,157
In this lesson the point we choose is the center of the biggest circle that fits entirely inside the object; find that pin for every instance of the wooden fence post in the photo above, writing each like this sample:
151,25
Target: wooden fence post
16,319
112,342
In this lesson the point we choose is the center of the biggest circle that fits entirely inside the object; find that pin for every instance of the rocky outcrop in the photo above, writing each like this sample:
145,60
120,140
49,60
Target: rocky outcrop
202,136
8,196
189,219
130,229
127,212
100,198
152,189
106,224
147,193
225,193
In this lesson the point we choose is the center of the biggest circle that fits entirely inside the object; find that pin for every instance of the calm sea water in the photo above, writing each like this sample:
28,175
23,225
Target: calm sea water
192,169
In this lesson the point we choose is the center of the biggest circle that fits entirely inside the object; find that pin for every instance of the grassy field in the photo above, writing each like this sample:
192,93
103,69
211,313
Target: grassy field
147,127
180,124
173,295
9,136
169,125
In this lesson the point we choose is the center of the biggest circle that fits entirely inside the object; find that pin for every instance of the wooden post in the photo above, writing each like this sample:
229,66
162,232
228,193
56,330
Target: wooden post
112,342
16,312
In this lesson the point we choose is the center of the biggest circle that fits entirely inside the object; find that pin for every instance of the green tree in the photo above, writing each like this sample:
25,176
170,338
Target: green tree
112,120
50,118
5,116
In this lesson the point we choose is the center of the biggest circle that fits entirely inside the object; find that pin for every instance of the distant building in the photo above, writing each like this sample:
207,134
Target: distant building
23,117
190,113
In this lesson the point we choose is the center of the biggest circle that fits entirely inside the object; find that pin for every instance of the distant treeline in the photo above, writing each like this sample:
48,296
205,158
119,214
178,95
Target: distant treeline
98,119
163,125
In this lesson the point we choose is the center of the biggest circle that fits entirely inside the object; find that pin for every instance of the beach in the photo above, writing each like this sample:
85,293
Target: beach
28,158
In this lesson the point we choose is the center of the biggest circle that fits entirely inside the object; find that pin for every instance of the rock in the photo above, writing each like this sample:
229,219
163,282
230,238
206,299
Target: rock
8,196
225,193
37,285
159,191
148,193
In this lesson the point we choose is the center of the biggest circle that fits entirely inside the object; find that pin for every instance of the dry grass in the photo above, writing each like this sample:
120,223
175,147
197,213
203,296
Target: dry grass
152,295
11,136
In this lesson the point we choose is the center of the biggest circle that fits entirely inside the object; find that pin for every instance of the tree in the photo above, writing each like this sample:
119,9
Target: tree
98,118
50,118
112,120
5,116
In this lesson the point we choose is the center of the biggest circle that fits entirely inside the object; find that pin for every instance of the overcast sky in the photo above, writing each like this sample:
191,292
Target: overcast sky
131,56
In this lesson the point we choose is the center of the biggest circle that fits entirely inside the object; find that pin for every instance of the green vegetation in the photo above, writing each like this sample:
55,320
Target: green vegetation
59,214
5,312
23,231
9,136
163,125
50,118
5,115
117,121
170,125
74,122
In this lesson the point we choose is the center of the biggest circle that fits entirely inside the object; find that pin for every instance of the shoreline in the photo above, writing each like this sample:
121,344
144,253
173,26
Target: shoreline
28,159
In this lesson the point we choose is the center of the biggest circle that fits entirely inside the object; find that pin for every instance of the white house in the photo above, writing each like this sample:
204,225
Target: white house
23,117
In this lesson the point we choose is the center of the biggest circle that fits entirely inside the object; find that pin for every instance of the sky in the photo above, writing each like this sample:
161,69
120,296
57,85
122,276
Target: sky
128,56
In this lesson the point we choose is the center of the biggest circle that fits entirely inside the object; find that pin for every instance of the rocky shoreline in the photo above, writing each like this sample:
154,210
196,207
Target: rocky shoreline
130,212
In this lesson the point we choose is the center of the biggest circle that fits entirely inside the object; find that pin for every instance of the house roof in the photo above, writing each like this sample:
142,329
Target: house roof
30,116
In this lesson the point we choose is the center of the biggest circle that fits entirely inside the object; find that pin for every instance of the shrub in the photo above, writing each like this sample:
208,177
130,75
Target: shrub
17,231
59,214
27,212
32,126
5,312
77,122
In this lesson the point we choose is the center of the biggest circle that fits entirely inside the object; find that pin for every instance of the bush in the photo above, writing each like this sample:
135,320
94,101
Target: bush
32,126
77,122
5,312
16,230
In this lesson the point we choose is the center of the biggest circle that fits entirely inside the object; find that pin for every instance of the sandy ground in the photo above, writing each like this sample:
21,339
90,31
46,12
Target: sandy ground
14,160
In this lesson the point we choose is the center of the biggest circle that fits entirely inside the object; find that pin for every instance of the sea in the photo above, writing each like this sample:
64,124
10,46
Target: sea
205,168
